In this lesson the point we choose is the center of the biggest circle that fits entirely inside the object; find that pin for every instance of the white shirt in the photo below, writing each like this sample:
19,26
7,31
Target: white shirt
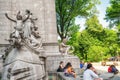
89,75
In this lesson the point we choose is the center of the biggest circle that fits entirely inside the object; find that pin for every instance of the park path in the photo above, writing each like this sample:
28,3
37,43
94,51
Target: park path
98,66
104,70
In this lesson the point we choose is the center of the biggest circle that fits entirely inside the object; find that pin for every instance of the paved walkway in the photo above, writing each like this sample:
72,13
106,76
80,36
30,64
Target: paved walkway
104,68
103,71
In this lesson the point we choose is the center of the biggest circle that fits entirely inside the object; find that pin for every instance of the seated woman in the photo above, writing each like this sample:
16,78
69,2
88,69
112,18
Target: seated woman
112,69
69,70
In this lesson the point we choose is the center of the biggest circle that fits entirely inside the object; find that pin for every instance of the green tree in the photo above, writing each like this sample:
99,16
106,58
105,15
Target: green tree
93,26
96,53
113,13
86,41
67,10
96,41
110,41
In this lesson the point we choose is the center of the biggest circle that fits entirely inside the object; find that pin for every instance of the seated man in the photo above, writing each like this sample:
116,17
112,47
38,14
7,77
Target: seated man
63,47
90,73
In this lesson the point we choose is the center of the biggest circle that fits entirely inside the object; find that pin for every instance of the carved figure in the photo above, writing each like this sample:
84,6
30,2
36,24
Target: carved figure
19,24
64,48
28,24
35,32
31,33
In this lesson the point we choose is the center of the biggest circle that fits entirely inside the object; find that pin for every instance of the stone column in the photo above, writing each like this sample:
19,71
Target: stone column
51,44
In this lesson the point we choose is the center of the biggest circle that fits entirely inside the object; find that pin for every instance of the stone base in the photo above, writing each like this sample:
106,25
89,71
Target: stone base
52,62
24,64
20,70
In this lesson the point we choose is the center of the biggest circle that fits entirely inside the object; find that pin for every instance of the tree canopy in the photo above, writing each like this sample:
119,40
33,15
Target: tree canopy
67,10
113,13
95,41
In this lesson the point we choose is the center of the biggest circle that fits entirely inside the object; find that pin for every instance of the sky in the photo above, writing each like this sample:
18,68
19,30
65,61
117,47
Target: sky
102,11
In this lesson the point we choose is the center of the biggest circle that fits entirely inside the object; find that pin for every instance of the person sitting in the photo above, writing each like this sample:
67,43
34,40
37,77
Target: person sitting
69,72
89,73
61,67
112,69
81,64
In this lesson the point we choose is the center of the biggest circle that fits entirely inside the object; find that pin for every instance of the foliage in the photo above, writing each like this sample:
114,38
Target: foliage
93,25
67,10
96,53
73,29
73,41
91,46
113,13
95,41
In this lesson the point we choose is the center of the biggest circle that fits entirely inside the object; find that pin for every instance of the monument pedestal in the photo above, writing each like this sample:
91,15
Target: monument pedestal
52,61
24,64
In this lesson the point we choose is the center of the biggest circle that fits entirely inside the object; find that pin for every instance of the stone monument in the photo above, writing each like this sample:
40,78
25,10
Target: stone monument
25,57
44,11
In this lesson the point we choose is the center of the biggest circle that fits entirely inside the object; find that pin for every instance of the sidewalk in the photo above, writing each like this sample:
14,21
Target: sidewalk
103,70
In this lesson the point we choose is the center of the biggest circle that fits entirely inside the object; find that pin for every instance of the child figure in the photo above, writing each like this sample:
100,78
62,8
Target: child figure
19,24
